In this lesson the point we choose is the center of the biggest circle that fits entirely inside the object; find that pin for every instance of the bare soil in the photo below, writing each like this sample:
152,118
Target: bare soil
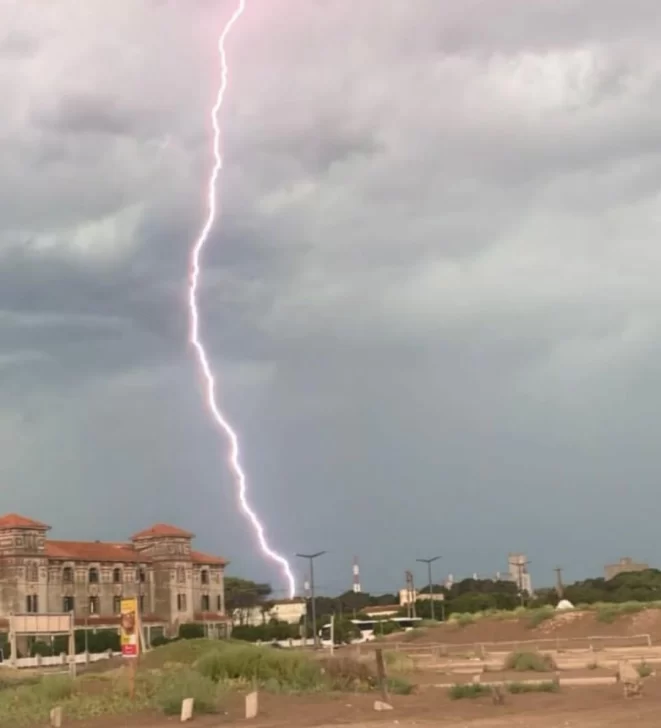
597,707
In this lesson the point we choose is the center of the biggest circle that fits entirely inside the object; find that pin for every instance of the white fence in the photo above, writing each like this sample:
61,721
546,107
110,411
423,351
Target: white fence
59,660
549,644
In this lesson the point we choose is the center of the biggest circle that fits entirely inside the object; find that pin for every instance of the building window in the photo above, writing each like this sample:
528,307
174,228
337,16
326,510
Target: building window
204,576
33,573
116,576
206,607
94,605
142,576
67,575
141,606
31,604
181,602
93,576
116,605
219,603
68,604
181,575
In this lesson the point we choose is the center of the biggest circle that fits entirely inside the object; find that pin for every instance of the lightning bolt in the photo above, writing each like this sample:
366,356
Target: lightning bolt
219,418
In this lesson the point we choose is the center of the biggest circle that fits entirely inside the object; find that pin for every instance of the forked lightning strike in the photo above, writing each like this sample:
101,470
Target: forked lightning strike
209,380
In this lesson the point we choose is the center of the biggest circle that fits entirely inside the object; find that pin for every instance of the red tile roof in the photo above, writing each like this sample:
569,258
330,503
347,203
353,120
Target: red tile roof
13,520
206,559
93,551
160,530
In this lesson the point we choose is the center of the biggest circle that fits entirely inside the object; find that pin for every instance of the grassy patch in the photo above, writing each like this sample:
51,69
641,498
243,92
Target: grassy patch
529,662
176,685
644,669
535,617
464,619
204,670
468,690
400,686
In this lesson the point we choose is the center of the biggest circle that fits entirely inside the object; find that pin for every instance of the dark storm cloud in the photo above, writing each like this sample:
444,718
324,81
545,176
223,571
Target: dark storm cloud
86,114
17,45
431,297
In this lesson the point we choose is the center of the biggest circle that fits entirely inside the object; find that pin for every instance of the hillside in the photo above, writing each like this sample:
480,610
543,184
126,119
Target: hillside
575,625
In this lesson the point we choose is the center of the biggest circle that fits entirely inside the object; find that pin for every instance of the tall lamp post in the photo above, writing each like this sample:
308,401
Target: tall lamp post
311,558
429,562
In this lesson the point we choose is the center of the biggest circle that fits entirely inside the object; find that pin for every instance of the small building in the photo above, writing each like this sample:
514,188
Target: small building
288,610
406,597
625,564
284,610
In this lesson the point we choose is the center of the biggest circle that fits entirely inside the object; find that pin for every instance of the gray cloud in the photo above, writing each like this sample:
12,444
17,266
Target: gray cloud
431,296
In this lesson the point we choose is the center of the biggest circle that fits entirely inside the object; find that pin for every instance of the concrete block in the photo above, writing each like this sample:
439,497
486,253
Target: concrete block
187,709
56,717
252,705
380,705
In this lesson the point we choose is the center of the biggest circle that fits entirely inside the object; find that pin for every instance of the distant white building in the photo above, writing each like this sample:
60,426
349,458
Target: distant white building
407,597
284,610
518,572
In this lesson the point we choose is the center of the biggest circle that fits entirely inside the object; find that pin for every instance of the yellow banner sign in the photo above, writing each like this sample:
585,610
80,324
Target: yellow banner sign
129,628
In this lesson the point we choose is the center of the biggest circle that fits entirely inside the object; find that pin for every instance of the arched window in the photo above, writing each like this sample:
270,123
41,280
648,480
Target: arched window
93,576
67,575
116,576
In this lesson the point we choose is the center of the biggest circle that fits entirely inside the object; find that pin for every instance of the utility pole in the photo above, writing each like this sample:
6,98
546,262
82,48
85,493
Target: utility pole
410,592
306,596
429,562
559,587
311,558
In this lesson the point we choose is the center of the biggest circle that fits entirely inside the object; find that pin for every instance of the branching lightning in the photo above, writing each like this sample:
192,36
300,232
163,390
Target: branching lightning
219,418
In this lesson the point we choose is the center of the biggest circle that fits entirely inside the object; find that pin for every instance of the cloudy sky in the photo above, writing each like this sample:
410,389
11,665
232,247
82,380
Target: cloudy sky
432,298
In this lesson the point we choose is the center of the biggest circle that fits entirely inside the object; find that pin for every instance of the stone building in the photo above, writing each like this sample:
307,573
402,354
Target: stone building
174,584
624,565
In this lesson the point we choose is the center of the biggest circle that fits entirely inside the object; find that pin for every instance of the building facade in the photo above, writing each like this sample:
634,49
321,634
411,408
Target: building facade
173,583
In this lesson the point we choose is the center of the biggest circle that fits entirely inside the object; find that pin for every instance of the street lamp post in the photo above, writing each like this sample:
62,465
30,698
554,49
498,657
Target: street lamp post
429,562
311,558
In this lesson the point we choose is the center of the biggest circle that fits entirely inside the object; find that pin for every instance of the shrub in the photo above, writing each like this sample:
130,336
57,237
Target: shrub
529,662
606,613
468,690
644,669
548,686
176,685
346,673
295,670
191,631
400,686
463,620
537,616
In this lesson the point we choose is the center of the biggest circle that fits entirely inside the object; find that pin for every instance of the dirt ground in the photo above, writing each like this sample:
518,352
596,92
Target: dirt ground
574,626
594,707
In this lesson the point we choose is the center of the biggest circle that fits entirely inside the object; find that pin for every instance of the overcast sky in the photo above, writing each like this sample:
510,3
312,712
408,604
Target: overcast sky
432,300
